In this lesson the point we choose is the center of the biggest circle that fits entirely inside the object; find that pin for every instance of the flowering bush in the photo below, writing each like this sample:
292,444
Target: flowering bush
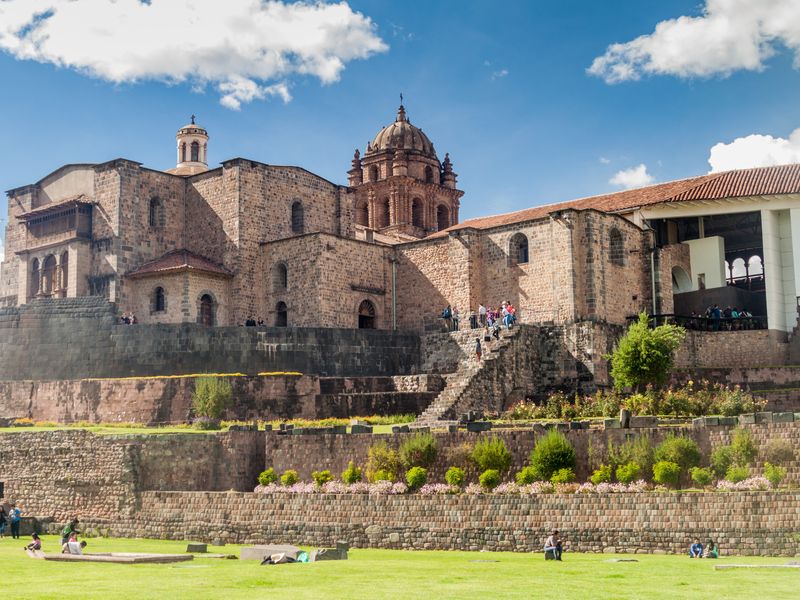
435,489
747,485
473,489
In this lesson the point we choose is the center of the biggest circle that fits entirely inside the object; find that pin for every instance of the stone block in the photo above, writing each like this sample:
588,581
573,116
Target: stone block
727,421
711,421
575,425
747,419
478,426
339,429
783,417
400,429
611,424
562,427
609,550
360,429
763,417
261,552
642,421
197,547
698,422
452,429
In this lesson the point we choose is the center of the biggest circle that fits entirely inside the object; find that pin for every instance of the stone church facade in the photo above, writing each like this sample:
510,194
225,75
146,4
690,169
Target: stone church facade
283,245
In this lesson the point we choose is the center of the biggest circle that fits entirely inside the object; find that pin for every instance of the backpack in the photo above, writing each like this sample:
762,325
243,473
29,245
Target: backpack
446,313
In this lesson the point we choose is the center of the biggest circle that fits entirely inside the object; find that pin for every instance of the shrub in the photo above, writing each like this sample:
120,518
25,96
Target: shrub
682,451
383,476
736,473
552,453
289,477
418,451
211,396
321,477
563,476
628,473
666,473
743,447
381,457
489,479
416,477
601,475
267,477
702,476
638,450
644,355
526,475
460,456
721,460
455,476
352,474
491,454
778,452
206,424
774,473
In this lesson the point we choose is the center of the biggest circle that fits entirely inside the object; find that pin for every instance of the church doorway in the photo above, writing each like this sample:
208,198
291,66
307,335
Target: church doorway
206,310
366,315
281,315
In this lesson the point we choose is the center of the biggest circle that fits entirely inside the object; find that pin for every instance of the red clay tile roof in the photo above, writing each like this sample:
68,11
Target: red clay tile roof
55,206
179,260
759,181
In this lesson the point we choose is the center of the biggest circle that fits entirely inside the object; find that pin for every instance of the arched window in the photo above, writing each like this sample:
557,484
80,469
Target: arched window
48,274
428,175
207,310
362,213
195,152
280,277
297,217
518,249
383,217
616,248
738,269
417,212
35,277
755,266
64,282
373,173
366,315
442,217
159,300
155,213
281,315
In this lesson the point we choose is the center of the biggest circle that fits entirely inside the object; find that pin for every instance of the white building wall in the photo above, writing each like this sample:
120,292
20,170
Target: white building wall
776,227
707,257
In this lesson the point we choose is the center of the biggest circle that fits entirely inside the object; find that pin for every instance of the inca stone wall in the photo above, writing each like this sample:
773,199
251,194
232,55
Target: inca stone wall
757,348
80,337
748,523
181,487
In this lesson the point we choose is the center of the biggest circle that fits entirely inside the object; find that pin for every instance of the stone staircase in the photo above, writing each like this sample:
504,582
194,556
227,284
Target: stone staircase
458,384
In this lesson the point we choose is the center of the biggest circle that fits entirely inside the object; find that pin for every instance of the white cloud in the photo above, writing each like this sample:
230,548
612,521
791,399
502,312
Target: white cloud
499,74
604,161
729,35
245,48
755,150
632,178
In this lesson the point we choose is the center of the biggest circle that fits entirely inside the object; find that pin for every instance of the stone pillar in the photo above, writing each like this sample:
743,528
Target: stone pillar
371,210
776,231
57,278
394,216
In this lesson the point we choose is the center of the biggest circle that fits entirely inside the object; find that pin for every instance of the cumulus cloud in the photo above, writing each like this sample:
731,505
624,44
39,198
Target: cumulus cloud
632,178
499,74
604,161
755,150
729,35
246,49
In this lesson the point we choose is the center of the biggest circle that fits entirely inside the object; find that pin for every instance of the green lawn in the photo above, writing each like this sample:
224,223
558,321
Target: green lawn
374,574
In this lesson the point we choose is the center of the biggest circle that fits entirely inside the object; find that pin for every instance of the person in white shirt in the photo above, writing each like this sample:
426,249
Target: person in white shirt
73,548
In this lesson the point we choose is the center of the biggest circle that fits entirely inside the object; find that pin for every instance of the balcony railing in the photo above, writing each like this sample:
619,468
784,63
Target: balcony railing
697,323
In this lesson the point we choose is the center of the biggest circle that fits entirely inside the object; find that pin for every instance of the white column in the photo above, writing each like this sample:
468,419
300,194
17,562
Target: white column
773,269
787,241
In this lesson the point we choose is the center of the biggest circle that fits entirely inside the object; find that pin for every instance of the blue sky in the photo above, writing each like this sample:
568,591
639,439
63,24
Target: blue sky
503,87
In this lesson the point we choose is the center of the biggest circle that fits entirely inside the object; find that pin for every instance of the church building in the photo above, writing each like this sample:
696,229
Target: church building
248,240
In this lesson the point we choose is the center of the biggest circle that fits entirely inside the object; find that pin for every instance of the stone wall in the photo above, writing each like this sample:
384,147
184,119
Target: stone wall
80,337
747,523
756,348
168,400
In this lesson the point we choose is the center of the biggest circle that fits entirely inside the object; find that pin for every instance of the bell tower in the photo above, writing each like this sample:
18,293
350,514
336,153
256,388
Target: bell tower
192,148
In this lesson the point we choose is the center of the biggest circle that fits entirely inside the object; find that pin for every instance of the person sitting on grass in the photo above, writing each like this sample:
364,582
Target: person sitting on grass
711,550
696,550
73,548
36,543
553,546
69,529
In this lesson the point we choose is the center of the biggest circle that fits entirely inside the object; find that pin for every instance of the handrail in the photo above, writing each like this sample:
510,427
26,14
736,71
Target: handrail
702,323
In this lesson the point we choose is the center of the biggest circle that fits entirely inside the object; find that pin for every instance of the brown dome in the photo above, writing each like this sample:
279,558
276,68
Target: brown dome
402,135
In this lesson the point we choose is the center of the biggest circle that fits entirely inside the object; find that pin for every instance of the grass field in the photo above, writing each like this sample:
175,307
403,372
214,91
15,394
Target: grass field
375,574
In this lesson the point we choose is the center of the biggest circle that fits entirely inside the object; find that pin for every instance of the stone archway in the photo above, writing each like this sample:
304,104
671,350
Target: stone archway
366,315
207,309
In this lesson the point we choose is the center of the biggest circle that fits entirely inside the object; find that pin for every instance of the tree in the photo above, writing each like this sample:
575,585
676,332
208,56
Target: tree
211,397
644,355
